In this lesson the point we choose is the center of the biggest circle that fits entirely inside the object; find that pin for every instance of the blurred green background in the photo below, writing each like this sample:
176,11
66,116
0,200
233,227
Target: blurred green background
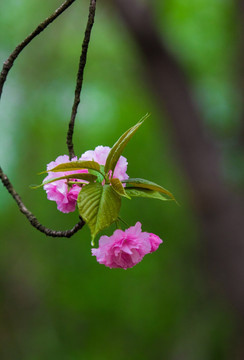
57,302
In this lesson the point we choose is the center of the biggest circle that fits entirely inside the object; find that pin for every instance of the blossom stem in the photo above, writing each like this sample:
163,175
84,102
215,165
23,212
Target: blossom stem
117,225
124,222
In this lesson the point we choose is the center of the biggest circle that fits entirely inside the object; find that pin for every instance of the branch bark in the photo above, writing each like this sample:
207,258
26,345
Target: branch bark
3,77
220,212
42,26
32,219
79,81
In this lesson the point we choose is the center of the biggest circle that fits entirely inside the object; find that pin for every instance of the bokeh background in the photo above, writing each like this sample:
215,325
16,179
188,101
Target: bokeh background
57,302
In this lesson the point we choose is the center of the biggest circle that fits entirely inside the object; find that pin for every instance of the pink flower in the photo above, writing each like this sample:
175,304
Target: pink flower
155,241
58,191
100,155
124,249
66,197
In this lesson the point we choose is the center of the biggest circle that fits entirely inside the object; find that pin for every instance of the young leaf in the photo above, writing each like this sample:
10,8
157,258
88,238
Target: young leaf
145,193
99,206
75,165
145,184
118,187
100,176
119,146
86,177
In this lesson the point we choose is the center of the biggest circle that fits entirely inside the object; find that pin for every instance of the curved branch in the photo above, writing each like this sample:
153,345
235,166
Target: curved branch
79,81
3,76
10,61
32,219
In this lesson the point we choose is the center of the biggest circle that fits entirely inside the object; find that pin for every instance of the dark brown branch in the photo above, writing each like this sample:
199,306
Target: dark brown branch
10,61
79,81
3,76
32,219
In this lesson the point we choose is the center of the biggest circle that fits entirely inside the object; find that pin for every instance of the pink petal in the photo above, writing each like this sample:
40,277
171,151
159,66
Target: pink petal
125,249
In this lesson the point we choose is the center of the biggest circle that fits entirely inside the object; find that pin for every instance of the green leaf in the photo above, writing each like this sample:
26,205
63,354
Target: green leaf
86,177
99,206
75,165
118,187
145,193
100,176
145,184
119,146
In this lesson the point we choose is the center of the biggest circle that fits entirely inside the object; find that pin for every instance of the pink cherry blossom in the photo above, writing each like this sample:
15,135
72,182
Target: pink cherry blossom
65,197
155,241
124,249
100,155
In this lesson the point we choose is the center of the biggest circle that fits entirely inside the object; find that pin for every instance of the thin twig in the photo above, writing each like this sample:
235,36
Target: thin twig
79,80
10,61
32,219
3,76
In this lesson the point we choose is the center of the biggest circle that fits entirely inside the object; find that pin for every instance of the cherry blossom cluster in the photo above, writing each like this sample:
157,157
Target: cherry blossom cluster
124,249
65,195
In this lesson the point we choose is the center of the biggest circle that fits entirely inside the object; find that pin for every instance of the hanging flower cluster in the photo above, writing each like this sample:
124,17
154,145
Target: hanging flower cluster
95,183
124,249
64,193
